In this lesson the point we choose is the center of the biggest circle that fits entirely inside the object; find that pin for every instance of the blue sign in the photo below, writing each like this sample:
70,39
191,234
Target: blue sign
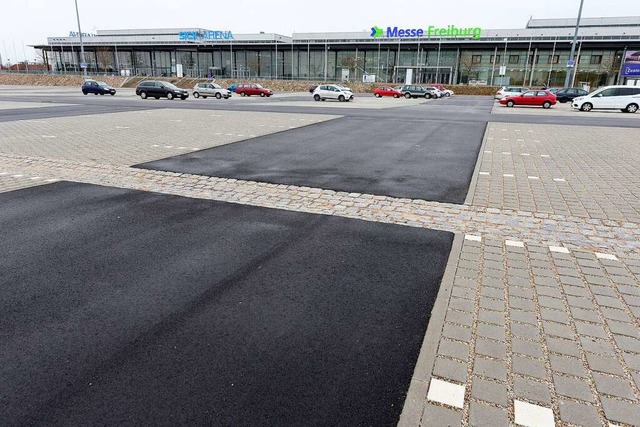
77,34
571,63
631,70
205,35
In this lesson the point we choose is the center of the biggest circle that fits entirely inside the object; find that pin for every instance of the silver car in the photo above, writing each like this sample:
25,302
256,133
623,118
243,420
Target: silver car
210,89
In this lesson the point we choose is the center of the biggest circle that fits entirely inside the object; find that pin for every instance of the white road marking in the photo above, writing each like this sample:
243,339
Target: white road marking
472,238
606,256
559,179
507,175
559,249
514,243
529,415
484,173
446,393
533,177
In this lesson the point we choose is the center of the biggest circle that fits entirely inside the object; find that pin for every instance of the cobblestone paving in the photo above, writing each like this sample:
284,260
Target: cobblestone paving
141,136
586,172
538,319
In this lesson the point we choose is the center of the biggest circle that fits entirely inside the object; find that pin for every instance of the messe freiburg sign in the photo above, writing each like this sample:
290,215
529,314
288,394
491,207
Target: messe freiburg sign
205,35
631,65
430,31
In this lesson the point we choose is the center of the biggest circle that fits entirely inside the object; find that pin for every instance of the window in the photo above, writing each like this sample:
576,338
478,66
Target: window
476,59
626,91
608,92
495,58
596,59
553,59
529,94
542,93
531,59
514,59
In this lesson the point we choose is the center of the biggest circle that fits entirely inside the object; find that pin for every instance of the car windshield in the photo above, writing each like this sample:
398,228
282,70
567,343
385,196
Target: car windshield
260,86
103,84
216,86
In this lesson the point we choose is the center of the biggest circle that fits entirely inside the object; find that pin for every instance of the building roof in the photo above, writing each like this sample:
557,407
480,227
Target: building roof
623,21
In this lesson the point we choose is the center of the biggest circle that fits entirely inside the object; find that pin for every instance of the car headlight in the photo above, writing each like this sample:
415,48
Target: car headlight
578,99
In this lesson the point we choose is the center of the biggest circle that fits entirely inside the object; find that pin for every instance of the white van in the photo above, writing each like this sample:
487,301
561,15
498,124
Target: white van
623,98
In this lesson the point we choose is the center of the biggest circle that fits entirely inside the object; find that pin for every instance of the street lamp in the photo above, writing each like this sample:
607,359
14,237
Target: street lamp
82,63
504,59
571,63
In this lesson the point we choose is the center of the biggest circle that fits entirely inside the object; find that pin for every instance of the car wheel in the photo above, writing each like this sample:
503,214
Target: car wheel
113,94
95,93
587,106
427,96
218,96
156,97
183,98
101,93
546,104
143,95
204,97
395,95
196,95
316,97
447,94
169,96
562,101
243,94
262,94
341,98
510,103
377,95
407,95
84,92
323,99
631,108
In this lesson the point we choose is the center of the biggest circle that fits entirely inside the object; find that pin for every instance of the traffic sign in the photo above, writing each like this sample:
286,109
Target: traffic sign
571,63
84,65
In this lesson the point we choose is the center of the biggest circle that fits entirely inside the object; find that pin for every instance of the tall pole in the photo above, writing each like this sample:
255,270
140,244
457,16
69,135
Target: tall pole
568,78
84,69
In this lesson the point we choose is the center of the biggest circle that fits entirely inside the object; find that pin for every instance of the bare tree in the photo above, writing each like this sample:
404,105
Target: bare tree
105,58
352,63
468,68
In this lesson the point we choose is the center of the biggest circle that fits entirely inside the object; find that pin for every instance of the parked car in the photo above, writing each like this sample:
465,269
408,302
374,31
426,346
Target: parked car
569,94
312,88
379,92
542,98
232,88
510,91
210,89
253,89
415,91
348,89
323,92
435,92
160,89
97,88
441,88
623,98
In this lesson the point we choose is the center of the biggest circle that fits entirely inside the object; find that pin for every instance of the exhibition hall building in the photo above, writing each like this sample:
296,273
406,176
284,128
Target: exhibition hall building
607,52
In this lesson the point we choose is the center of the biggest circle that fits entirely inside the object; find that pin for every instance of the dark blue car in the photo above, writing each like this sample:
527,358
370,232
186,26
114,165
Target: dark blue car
232,88
97,88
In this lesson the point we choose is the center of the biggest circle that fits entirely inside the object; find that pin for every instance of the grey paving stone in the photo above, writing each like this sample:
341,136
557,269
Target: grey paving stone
521,292
462,304
437,416
567,365
451,369
490,292
549,302
628,343
563,346
528,389
579,413
463,293
492,317
595,280
573,387
598,346
608,365
529,367
454,349
576,291
560,316
490,368
455,332
533,349
459,317
523,316
624,328
604,290
620,411
485,415
489,391
522,304
608,301
557,329
491,304
591,330
491,331
494,349
632,360
614,386
586,315
527,331
580,302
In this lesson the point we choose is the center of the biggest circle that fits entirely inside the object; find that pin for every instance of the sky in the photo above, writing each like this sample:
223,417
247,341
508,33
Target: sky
25,22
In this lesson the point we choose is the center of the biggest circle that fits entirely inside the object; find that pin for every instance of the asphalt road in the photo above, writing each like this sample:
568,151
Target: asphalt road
133,308
430,160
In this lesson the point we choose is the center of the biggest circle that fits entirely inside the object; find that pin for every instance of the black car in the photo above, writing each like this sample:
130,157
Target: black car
312,88
158,89
569,93
97,88
417,91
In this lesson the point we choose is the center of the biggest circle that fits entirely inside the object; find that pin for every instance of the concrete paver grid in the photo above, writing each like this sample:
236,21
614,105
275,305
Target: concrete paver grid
587,172
141,136
559,331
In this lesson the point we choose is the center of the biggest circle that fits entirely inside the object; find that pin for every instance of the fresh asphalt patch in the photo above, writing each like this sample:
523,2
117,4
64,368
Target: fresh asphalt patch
134,308
430,160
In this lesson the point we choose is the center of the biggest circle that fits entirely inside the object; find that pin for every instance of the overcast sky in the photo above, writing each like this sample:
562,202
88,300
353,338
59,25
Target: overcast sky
31,21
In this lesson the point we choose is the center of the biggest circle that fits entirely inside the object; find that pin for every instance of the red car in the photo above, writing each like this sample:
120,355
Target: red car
542,98
379,92
253,89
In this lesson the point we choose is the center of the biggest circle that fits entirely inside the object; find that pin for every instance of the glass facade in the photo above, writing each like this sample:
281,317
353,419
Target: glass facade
532,64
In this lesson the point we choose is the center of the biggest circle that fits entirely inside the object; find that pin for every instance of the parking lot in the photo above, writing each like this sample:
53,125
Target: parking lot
282,261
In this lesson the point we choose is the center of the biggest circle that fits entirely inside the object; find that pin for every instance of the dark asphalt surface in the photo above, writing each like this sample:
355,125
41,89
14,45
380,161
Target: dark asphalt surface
402,158
130,308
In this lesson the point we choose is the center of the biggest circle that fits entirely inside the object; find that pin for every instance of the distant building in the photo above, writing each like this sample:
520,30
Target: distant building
533,56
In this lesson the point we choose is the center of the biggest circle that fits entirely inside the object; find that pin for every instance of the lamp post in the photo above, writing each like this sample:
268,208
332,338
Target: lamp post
568,79
504,59
82,63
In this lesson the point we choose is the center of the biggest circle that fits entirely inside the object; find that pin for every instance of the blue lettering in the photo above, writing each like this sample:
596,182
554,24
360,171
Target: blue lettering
392,33
419,33
400,33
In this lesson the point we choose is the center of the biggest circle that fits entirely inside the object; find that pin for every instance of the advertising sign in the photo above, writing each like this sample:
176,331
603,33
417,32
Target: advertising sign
205,35
430,31
631,65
